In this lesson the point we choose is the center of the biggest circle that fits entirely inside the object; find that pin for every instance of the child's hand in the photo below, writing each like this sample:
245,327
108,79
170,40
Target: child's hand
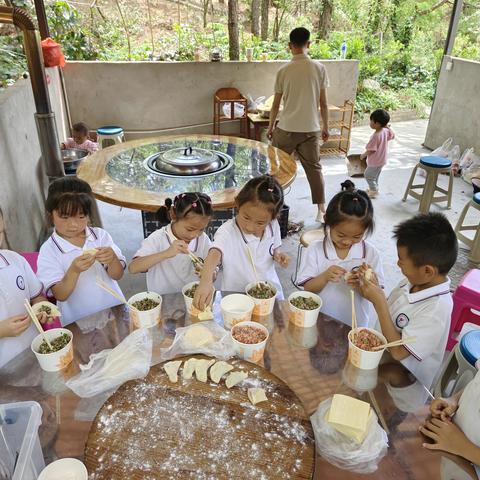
334,273
370,290
178,246
442,409
83,262
14,326
106,255
445,435
366,272
203,295
281,258
363,156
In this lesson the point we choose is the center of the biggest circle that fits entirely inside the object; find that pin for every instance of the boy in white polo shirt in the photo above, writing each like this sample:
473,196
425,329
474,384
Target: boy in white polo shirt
17,284
421,305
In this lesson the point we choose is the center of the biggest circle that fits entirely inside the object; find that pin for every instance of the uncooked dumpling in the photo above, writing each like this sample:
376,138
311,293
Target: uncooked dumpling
43,307
207,314
90,251
219,370
189,368
234,378
171,368
198,336
256,395
368,274
201,368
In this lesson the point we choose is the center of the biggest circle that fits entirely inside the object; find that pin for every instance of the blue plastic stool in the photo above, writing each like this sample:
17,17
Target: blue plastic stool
432,166
473,243
109,134
470,346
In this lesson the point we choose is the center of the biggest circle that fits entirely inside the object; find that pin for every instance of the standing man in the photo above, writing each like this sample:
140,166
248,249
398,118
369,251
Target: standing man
302,84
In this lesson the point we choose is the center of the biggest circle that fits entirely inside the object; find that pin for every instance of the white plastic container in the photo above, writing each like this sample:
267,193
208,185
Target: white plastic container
362,358
251,352
263,306
236,308
146,318
20,450
304,318
53,362
189,308
64,468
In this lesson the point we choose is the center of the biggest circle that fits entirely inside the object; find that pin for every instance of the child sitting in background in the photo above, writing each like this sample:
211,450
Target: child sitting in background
421,305
253,232
75,256
326,266
164,253
17,284
462,435
377,149
80,139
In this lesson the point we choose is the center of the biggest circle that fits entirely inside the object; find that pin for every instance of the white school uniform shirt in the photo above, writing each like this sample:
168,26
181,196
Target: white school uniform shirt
172,274
17,284
336,300
56,256
424,315
237,269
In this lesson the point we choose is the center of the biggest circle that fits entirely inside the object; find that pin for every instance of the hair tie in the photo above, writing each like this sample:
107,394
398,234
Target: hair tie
355,199
194,204
270,189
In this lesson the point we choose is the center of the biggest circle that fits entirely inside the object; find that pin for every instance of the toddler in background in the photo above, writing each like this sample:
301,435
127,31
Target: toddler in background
80,139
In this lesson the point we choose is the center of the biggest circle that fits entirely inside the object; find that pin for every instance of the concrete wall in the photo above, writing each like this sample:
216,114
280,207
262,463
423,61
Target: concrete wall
149,97
23,182
456,110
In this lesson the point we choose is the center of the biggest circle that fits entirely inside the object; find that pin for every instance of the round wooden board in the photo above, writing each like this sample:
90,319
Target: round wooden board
153,429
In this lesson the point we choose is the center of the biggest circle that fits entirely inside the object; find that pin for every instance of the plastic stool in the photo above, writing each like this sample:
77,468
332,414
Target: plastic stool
460,366
31,258
306,239
474,243
432,166
465,298
109,134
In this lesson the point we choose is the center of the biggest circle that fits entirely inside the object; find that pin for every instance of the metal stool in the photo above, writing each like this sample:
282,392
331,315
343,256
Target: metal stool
460,366
474,243
306,239
432,166
110,134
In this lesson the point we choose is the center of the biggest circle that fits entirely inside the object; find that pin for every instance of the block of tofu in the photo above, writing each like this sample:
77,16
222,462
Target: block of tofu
350,417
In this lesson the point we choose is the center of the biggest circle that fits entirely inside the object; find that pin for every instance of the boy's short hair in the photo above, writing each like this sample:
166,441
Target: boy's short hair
81,128
380,116
299,36
430,240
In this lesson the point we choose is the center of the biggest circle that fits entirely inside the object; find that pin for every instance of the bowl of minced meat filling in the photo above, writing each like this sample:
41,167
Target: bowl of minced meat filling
249,340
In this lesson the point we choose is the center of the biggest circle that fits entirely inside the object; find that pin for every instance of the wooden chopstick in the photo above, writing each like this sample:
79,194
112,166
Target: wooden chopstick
250,256
36,322
105,287
192,256
354,315
396,343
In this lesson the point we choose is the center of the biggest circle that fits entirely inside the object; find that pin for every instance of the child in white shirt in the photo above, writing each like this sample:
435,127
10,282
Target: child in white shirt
75,257
253,233
421,305
164,254
17,284
328,267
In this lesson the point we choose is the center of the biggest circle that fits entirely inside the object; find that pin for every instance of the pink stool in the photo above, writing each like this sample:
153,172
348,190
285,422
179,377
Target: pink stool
465,299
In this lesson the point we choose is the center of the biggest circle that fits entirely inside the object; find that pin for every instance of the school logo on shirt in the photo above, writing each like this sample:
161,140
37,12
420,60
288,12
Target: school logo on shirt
20,282
402,320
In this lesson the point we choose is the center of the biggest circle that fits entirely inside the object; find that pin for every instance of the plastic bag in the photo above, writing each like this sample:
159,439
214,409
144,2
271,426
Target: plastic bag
470,165
252,104
208,338
444,149
454,154
343,452
238,110
111,368
52,53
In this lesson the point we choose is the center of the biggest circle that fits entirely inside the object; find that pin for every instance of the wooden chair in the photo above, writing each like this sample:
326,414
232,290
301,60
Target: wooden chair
228,96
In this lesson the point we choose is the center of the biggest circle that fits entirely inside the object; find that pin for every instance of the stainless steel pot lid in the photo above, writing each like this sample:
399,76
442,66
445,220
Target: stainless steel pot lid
188,157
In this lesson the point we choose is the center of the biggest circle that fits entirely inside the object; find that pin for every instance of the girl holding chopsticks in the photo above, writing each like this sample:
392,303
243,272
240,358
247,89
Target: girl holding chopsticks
17,284
76,257
247,246
173,255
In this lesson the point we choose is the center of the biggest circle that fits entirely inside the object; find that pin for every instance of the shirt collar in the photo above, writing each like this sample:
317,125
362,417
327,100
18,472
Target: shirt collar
268,232
3,261
66,247
357,250
440,289
299,56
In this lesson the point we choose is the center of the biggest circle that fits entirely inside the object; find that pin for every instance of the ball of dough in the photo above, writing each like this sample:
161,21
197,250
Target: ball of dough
199,336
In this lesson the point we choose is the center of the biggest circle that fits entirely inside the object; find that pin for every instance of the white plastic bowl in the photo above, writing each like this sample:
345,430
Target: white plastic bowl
53,362
64,469
263,306
189,308
236,308
251,352
147,318
304,318
362,358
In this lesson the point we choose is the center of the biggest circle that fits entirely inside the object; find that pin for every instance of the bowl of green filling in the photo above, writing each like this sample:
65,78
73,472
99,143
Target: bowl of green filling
58,354
146,308
304,308
263,294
